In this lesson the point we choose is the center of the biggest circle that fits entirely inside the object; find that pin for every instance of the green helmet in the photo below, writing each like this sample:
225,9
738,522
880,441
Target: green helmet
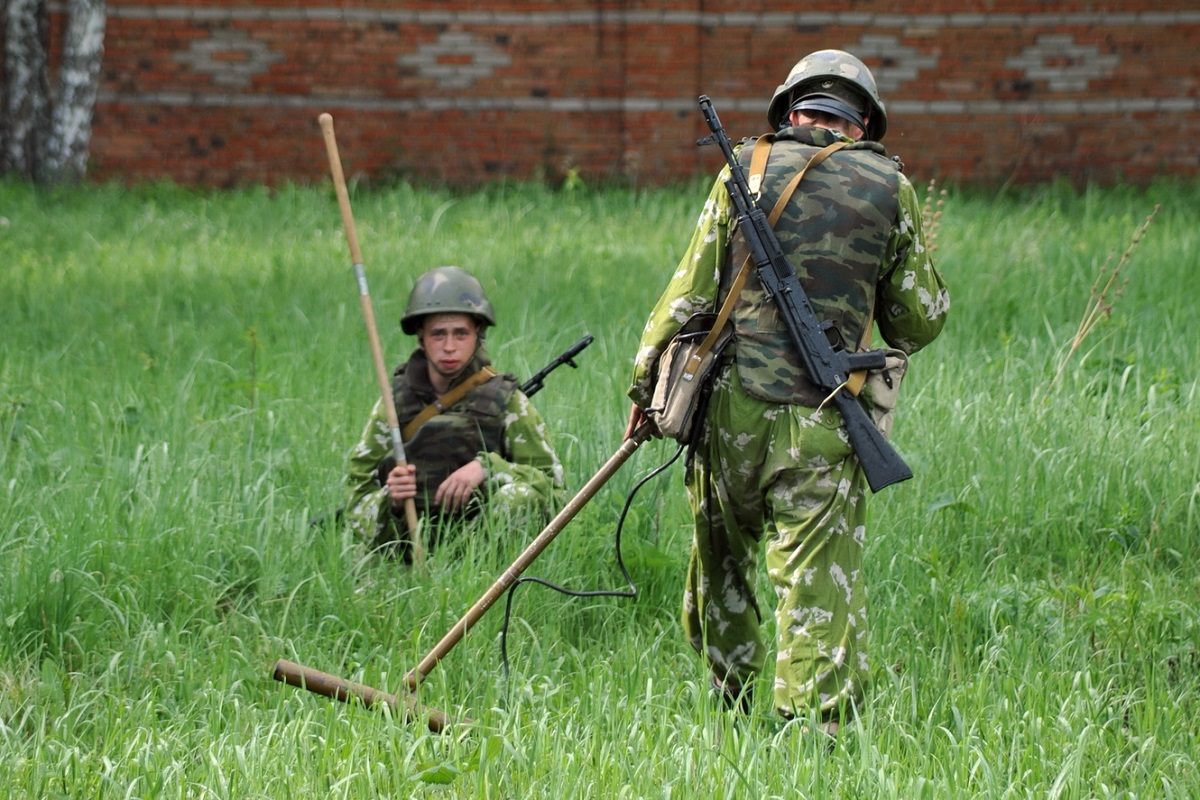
446,290
838,83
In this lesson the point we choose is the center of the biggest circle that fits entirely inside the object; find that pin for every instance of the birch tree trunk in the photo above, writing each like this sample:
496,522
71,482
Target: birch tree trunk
79,75
46,137
25,104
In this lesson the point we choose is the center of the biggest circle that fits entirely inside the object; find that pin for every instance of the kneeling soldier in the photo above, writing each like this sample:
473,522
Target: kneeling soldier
472,439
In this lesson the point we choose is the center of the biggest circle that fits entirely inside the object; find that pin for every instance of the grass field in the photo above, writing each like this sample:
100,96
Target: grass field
181,375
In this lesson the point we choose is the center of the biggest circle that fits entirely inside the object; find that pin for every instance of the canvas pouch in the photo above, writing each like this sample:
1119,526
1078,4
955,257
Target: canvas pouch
882,389
686,370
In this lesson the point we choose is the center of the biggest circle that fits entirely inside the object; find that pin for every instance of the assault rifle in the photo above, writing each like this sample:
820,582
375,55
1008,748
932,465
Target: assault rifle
534,384
826,367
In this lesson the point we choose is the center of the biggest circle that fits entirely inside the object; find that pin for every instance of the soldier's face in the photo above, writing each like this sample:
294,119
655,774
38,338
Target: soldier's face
449,341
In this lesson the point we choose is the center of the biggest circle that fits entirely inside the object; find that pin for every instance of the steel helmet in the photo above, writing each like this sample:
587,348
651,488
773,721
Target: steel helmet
836,78
446,290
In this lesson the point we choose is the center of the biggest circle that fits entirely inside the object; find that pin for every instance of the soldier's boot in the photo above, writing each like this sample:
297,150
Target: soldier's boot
732,695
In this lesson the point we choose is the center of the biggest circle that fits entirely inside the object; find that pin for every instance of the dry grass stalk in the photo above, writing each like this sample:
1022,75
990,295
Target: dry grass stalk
1105,291
931,214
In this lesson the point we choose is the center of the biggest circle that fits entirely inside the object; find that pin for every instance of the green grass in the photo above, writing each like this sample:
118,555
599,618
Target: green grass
182,373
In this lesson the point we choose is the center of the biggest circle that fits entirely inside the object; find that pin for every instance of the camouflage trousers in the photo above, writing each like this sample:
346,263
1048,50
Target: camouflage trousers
783,475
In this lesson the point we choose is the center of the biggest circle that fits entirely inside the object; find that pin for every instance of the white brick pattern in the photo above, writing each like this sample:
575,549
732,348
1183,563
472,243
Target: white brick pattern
249,57
1064,65
440,62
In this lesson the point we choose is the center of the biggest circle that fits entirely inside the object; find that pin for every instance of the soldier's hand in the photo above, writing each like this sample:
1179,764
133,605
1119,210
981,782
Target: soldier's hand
637,417
402,484
457,489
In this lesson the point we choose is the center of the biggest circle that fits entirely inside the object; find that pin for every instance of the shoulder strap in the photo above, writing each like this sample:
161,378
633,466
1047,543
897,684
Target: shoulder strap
758,159
758,162
446,400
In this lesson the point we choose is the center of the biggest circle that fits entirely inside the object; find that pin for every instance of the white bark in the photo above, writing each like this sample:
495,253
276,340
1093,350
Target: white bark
45,136
25,104
71,120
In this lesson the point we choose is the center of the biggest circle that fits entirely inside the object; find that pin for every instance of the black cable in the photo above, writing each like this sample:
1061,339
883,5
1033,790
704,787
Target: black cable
629,593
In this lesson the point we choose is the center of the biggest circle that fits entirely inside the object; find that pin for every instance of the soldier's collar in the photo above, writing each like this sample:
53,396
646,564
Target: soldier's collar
823,137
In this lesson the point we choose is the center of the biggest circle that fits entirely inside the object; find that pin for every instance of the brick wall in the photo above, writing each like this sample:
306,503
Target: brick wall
218,92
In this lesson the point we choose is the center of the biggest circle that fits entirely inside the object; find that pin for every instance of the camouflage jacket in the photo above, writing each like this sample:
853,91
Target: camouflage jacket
853,233
510,441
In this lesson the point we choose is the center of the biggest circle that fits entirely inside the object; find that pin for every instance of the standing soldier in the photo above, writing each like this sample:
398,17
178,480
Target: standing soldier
773,459
473,440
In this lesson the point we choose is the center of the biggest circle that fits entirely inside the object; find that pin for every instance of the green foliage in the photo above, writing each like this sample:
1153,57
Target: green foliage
182,372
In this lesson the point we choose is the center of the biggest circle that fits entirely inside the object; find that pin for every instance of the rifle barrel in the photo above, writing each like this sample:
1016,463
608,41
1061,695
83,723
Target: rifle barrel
536,381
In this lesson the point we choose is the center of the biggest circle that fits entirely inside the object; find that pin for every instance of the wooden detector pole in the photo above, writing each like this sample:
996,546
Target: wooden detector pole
332,686
368,312
323,683
416,675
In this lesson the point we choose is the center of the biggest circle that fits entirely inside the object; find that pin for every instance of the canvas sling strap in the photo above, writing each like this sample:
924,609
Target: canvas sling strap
758,166
483,375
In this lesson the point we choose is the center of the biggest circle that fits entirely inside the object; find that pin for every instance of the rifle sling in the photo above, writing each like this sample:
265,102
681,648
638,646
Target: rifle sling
758,166
446,400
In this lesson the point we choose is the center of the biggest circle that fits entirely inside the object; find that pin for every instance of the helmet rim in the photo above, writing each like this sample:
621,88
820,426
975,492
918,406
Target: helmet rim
828,104
447,290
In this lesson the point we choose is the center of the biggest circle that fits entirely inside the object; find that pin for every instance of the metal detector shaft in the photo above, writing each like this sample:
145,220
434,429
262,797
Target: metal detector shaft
323,683
368,312
416,675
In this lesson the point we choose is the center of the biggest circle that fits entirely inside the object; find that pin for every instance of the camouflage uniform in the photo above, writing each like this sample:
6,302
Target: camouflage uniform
495,423
774,465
